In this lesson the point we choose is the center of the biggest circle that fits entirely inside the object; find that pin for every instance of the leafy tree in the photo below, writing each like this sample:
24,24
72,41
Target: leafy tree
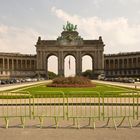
88,74
51,75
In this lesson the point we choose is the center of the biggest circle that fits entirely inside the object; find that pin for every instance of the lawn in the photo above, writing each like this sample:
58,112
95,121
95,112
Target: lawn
101,88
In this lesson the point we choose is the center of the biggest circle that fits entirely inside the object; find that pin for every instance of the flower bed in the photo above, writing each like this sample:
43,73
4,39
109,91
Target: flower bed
71,82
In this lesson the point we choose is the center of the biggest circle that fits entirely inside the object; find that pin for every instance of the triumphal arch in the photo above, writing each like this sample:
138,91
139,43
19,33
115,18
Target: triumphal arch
70,43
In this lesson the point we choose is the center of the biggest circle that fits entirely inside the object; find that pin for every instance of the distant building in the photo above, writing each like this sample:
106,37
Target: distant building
122,64
17,65
115,65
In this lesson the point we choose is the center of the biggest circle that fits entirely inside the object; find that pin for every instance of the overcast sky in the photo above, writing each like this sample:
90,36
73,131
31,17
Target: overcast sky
22,21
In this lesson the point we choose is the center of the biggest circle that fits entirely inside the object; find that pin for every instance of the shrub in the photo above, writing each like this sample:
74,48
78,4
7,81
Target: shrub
71,82
88,74
51,75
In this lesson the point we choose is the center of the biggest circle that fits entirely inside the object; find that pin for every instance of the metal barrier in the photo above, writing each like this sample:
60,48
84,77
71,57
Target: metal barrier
138,108
15,105
75,105
118,104
83,104
48,104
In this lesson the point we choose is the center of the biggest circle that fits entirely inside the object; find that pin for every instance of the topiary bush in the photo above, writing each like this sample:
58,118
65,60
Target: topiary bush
77,81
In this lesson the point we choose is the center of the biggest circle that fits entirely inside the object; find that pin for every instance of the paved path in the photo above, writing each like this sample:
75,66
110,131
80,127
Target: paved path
68,133
129,85
13,86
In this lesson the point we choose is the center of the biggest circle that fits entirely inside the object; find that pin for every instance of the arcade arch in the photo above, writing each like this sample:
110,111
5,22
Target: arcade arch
69,66
87,63
52,63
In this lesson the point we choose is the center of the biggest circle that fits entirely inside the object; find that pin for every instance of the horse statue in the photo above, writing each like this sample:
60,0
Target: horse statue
69,27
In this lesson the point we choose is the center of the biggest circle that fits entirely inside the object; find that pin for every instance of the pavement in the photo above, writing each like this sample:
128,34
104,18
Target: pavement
69,134
129,85
19,85
32,131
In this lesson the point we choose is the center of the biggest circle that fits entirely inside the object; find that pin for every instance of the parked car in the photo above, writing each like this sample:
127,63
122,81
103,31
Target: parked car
131,80
137,80
3,82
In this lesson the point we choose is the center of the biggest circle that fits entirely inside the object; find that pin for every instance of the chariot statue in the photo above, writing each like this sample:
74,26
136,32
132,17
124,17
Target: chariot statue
69,27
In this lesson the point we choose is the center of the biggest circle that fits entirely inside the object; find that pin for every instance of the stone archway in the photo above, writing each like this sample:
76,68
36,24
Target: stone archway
53,64
87,63
70,43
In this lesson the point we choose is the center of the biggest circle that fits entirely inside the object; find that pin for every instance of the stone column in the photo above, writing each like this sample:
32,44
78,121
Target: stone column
122,63
8,63
3,64
17,66
128,64
137,64
44,60
29,65
103,65
41,63
12,64
21,64
47,68
108,64
93,64
38,60
60,64
95,60
26,65
78,63
101,62
100,59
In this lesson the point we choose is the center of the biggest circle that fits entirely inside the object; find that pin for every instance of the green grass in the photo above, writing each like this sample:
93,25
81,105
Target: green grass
101,88
42,89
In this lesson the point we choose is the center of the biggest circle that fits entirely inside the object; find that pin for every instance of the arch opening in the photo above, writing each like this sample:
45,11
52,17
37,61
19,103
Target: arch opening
53,64
87,63
69,66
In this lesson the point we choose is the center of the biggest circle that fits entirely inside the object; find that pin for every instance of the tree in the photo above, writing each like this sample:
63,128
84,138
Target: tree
88,74
51,75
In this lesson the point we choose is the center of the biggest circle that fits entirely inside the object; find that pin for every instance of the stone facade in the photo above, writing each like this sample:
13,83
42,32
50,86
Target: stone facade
122,65
70,43
17,65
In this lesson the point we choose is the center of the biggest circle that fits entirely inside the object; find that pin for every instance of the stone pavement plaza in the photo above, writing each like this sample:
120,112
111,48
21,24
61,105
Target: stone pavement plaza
68,133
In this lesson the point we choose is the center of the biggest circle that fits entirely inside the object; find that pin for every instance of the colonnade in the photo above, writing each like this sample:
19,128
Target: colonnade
125,65
16,64
13,63
122,63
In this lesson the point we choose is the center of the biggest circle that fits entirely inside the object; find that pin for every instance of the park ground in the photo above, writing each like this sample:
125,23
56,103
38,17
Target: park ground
69,134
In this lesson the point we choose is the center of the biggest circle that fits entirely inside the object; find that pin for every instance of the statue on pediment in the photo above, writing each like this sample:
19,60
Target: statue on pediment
69,27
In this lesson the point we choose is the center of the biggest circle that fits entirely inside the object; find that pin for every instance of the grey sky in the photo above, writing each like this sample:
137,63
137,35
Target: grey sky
22,21
36,15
